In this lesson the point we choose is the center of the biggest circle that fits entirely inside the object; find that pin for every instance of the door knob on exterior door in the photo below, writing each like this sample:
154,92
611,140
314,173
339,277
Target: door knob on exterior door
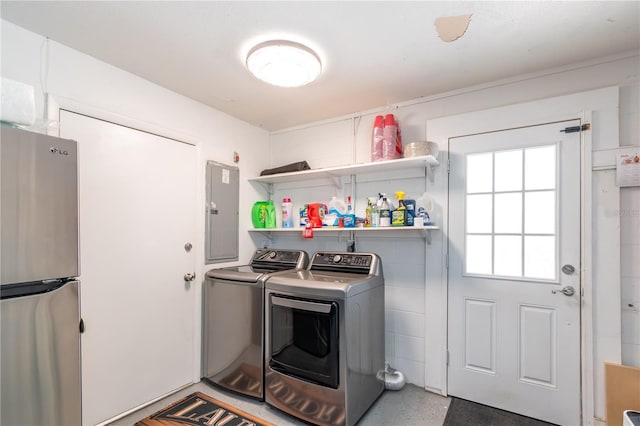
567,291
189,276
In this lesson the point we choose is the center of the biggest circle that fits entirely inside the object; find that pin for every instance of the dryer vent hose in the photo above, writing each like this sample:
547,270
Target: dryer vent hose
393,379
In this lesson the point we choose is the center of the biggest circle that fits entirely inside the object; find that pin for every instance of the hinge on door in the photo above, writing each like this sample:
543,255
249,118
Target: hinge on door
573,129
448,166
446,260
447,357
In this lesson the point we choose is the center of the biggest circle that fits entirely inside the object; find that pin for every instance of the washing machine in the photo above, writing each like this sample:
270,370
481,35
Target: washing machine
324,338
233,320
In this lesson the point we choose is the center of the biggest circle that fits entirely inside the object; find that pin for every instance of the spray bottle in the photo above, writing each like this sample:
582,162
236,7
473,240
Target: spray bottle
375,213
385,213
399,215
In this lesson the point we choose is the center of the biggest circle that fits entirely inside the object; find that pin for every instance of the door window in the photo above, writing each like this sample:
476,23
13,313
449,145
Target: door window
510,213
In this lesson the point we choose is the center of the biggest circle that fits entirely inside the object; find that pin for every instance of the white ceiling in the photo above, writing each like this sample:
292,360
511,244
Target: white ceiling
374,53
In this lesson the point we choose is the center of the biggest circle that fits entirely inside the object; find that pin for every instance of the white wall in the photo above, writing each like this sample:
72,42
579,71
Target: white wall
411,325
83,84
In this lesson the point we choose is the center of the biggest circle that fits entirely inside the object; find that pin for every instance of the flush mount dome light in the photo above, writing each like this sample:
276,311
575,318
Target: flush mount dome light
284,63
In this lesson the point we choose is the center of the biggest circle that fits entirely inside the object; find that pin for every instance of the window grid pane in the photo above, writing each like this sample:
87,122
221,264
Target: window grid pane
479,213
507,260
478,254
508,171
479,173
508,213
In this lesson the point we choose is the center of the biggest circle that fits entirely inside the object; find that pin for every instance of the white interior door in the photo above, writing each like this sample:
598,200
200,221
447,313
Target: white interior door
514,245
137,210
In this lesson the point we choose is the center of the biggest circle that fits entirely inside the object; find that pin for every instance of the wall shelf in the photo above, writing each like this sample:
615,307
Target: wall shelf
424,231
336,172
329,229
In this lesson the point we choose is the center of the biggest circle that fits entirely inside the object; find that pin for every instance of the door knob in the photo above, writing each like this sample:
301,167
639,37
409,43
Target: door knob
567,291
189,276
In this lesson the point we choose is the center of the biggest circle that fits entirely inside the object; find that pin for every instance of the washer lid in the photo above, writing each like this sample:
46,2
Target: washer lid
263,262
244,273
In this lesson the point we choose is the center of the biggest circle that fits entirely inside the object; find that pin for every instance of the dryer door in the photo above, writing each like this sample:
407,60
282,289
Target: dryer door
304,339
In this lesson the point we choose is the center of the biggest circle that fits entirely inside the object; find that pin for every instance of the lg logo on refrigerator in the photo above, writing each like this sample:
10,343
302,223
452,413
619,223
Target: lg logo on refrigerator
58,151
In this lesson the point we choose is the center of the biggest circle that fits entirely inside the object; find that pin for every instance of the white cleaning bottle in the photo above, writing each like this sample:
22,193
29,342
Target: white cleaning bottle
338,205
385,213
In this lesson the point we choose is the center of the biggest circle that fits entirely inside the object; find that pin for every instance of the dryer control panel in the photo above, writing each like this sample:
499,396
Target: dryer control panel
360,263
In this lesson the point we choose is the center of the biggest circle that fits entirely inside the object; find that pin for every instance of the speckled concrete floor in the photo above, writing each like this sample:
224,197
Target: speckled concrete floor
408,407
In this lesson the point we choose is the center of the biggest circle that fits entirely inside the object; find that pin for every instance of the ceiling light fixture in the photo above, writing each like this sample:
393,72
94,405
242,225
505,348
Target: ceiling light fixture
284,63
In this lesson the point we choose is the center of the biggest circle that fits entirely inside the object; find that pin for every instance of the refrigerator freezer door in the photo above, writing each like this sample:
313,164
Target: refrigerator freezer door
39,207
41,358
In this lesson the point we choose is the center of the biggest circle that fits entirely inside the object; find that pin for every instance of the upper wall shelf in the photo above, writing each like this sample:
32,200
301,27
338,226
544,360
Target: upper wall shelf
334,172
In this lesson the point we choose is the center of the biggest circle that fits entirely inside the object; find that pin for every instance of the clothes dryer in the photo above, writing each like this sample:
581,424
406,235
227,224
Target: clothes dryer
324,338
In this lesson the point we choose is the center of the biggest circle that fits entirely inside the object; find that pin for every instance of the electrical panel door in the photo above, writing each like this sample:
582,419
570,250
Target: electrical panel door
221,239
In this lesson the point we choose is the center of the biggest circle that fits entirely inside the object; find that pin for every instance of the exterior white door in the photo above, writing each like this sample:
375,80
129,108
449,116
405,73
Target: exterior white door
137,212
514,247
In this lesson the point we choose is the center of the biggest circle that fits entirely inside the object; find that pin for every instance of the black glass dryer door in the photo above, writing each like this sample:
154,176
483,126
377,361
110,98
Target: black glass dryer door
304,339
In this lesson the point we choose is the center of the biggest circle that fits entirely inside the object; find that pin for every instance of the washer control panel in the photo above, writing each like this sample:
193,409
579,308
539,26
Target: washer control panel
289,258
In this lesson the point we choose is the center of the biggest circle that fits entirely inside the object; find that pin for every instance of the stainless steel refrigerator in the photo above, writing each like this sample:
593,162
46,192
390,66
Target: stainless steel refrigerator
39,306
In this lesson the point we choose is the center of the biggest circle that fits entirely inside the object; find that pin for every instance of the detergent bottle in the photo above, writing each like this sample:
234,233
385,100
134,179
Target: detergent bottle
270,217
287,213
304,215
337,210
259,214
337,206
410,205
